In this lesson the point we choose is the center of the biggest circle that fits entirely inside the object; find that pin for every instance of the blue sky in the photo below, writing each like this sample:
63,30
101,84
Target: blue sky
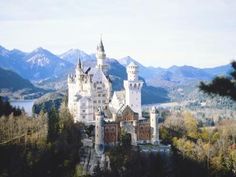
155,32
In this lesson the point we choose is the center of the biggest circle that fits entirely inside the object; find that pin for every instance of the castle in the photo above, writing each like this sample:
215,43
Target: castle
91,101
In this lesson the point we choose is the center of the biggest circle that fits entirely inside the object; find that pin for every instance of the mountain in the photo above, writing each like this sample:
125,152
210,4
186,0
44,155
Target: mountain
150,94
145,72
37,65
14,86
44,65
219,70
11,80
50,71
73,56
176,75
13,60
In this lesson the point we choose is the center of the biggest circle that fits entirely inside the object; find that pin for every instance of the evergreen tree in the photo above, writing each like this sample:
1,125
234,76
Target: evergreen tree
65,118
6,109
223,86
53,125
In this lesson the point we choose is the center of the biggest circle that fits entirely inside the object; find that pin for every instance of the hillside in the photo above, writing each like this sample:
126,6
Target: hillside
11,84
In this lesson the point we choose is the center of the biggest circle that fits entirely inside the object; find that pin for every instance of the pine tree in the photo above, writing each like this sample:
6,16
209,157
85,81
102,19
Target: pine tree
223,86
53,125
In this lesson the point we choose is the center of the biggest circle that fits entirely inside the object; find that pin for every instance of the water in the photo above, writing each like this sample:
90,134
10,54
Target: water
26,104
161,105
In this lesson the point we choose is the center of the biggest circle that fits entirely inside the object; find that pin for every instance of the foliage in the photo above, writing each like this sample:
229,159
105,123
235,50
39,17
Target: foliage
223,86
26,151
6,109
212,147
48,101
125,139
53,125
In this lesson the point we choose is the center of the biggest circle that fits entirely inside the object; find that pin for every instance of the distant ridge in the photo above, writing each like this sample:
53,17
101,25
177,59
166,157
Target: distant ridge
50,71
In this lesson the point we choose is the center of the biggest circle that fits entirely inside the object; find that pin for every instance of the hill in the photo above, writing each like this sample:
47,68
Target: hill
11,84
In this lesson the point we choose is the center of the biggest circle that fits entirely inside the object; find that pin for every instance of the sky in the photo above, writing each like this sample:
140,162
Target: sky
158,33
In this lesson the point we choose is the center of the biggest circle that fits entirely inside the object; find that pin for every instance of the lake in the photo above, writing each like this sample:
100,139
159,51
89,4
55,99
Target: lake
26,104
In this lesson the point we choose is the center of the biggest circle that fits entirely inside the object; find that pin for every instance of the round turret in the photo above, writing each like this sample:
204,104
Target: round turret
99,132
154,125
132,71
101,56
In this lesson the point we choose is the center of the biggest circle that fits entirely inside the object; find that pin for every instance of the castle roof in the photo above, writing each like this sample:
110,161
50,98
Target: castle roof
98,75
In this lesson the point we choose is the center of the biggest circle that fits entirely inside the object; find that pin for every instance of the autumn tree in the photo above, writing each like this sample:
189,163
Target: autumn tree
191,125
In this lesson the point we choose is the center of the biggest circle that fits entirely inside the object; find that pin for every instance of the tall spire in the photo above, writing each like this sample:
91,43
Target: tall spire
80,65
100,46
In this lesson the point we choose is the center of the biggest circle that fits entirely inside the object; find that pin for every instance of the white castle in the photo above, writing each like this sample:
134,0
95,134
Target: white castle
92,89
91,101
88,90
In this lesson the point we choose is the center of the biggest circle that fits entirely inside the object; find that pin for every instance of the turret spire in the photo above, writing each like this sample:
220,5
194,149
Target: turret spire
101,56
80,65
100,46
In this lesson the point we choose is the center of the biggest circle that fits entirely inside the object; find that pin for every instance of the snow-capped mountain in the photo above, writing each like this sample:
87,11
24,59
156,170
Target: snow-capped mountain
36,65
45,65
41,64
73,56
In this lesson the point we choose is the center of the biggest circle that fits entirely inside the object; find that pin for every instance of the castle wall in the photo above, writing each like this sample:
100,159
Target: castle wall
144,131
111,133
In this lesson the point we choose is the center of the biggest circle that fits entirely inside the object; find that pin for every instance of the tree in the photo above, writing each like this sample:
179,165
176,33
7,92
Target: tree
65,118
125,140
191,125
223,86
53,125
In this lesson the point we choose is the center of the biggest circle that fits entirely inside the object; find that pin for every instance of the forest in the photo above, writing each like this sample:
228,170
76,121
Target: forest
49,145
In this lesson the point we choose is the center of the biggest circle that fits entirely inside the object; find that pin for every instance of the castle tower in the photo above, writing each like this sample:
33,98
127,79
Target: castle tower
99,132
154,126
133,88
101,56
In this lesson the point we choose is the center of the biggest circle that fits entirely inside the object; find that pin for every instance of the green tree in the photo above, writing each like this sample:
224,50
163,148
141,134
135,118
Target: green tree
223,86
65,118
125,140
53,125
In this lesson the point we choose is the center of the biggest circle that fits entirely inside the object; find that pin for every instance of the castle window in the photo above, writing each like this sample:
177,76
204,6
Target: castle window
83,117
83,110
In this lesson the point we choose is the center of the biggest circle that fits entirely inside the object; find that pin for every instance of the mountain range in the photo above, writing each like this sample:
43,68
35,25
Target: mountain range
37,65
176,75
47,69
